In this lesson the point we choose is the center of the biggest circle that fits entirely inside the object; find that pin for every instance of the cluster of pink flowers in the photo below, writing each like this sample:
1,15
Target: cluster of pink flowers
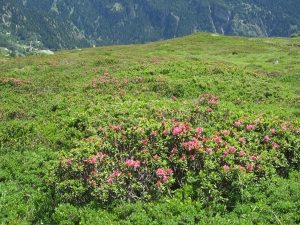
7,79
101,156
117,127
178,130
250,127
267,138
132,163
199,130
116,174
218,139
226,167
193,144
164,174
242,153
213,102
238,123
242,140
166,132
226,132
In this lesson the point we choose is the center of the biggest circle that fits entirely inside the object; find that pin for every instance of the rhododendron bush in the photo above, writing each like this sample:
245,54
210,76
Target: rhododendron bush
211,157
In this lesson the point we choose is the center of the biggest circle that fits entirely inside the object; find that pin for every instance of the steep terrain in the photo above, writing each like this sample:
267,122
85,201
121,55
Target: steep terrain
133,21
28,29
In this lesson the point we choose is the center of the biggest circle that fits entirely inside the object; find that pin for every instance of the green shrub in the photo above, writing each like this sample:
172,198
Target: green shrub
211,158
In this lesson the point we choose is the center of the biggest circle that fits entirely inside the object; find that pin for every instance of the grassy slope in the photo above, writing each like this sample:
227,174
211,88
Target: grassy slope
55,103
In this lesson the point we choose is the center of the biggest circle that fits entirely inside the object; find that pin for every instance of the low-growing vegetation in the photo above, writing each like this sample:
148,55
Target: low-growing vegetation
137,134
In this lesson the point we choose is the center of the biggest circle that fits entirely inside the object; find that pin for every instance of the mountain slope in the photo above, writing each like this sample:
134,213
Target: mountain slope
133,21
32,28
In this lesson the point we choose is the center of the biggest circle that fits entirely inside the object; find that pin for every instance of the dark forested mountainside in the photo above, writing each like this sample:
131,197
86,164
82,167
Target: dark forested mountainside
104,22
28,29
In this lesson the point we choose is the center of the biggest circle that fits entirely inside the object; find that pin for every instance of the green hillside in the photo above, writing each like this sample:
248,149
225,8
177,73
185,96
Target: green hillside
200,129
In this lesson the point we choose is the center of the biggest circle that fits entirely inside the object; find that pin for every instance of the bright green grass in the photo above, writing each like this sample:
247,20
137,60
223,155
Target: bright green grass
55,105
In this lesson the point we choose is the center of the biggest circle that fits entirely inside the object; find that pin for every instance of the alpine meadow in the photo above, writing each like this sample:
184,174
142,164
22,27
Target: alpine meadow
201,129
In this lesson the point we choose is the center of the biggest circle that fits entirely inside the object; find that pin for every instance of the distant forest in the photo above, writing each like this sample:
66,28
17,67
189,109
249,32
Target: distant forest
68,24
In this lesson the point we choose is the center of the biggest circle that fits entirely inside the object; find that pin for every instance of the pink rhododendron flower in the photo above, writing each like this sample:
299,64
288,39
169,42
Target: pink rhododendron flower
136,164
110,180
267,138
116,174
155,157
144,141
283,127
226,132
94,160
117,127
177,130
226,152
165,178
226,168
242,140
250,127
242,168
199,129
166,132
238,123
209,110
169,171
241,153
153,133
232,149
161,172
129,162
217,139
272,131
250,166
184,144
208,150
158,183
